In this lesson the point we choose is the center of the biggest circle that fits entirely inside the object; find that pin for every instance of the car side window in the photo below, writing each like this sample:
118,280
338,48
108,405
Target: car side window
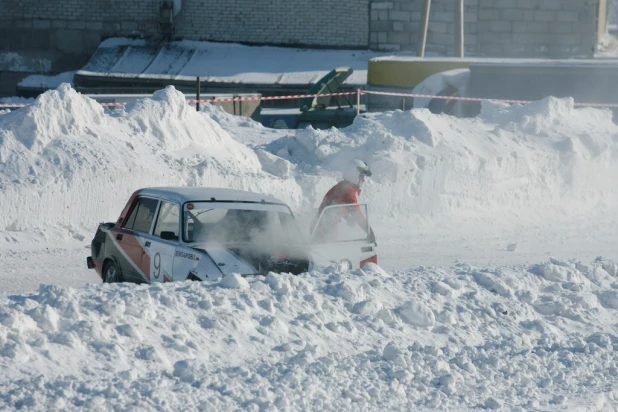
168,219
142,215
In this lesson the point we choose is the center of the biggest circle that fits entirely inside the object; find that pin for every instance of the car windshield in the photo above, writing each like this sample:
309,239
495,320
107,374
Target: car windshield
210,222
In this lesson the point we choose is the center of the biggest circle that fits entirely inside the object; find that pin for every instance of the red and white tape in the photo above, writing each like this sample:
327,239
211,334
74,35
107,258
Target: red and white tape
429,96
303,96
12,105
115,104
291,96
478,99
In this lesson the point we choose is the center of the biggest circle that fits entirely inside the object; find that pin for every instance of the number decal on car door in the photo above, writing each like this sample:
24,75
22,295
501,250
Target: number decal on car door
157,265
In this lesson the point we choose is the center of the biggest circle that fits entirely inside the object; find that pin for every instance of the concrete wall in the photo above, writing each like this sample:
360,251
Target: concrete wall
515,28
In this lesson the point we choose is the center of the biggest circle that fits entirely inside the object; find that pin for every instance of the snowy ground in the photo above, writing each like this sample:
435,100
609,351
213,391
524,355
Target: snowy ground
452,319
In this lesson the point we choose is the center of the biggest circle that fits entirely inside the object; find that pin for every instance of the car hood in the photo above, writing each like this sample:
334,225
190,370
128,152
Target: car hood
245,259
229,261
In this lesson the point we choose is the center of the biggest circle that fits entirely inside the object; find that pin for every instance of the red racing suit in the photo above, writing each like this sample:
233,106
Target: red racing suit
343,193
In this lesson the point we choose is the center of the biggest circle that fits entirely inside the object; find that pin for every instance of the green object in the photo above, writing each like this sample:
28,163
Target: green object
315,111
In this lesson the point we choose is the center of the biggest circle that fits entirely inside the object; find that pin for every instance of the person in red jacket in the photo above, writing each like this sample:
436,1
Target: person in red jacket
343,193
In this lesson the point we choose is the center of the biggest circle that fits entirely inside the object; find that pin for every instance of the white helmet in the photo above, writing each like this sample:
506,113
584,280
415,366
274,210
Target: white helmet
356,172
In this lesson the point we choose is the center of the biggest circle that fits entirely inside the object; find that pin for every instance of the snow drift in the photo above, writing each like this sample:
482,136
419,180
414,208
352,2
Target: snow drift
538,337
546,160
466,337
65,162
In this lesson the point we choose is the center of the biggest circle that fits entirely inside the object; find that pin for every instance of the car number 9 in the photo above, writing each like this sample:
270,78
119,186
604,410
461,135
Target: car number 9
157,265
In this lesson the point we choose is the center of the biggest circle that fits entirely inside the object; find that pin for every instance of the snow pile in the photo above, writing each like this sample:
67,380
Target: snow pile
47,81
15,62
537,337
66,163
56,113
17,99
543,161
441,83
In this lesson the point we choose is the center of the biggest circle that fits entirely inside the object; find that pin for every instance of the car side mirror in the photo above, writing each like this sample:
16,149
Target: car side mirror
165,235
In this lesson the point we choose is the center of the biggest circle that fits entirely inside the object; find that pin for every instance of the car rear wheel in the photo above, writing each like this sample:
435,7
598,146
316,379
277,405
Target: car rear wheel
111,273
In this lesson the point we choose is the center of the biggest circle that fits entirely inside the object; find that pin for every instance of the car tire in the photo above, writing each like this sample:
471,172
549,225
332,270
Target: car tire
111,272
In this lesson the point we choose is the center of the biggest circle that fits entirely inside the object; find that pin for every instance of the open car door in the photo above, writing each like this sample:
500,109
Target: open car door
342,236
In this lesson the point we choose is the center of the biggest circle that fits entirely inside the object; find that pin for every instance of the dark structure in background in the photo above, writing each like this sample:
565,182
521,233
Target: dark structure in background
39,36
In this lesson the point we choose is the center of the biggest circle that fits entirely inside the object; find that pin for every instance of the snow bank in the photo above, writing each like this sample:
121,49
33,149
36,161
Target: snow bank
438,83
47,81
538,337
540,162
15,62
17,99
61,112
64,162
449,339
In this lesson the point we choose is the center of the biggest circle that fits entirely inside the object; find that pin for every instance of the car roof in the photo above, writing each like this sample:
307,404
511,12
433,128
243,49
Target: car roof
187,194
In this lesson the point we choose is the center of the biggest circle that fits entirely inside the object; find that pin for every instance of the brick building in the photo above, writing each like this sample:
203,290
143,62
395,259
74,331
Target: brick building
67,32
494,28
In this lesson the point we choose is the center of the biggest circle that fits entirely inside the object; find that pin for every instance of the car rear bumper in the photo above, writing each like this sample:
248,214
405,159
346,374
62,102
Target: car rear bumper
372,259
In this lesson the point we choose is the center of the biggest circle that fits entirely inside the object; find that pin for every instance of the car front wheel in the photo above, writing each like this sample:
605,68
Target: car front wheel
111,273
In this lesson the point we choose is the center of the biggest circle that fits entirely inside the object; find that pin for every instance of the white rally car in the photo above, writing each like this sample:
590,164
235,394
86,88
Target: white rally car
170,234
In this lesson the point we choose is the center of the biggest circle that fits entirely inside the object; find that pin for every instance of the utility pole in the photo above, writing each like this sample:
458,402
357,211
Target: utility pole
197,92
459,38
424,23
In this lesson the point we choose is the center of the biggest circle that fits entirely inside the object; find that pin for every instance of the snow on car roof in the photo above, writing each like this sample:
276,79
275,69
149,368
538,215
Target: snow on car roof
186,194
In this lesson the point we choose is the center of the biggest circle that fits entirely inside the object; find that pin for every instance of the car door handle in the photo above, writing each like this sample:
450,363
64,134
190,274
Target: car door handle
119,236
147,244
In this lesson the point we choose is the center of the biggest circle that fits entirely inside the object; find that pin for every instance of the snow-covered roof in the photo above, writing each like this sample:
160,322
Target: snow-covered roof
188,194
121,58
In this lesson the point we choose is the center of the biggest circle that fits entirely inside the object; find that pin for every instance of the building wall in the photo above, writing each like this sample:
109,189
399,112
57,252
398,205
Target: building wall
553,28
524,28
77,26
341,23
71,29
395,25
496,28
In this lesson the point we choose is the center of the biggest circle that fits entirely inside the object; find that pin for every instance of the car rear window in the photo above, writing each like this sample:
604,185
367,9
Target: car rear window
168,220
142,214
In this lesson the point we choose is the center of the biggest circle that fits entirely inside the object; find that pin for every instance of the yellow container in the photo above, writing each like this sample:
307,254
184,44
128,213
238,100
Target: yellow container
409,71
